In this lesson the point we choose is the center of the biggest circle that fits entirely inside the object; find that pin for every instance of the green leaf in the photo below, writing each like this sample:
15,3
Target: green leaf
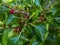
10,19
7,1
5,37
11,33
14,41
0,44
57,19
42,31
34,41
37,2
33,14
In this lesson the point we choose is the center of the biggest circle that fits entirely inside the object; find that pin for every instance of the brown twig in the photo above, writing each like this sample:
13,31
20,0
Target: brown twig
16,11
4,4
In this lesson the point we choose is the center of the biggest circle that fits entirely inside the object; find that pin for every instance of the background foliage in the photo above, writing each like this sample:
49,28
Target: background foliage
29,22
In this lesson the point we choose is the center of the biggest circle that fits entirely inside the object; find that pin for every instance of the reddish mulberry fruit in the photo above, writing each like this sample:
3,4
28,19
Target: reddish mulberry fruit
17,29
12,11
